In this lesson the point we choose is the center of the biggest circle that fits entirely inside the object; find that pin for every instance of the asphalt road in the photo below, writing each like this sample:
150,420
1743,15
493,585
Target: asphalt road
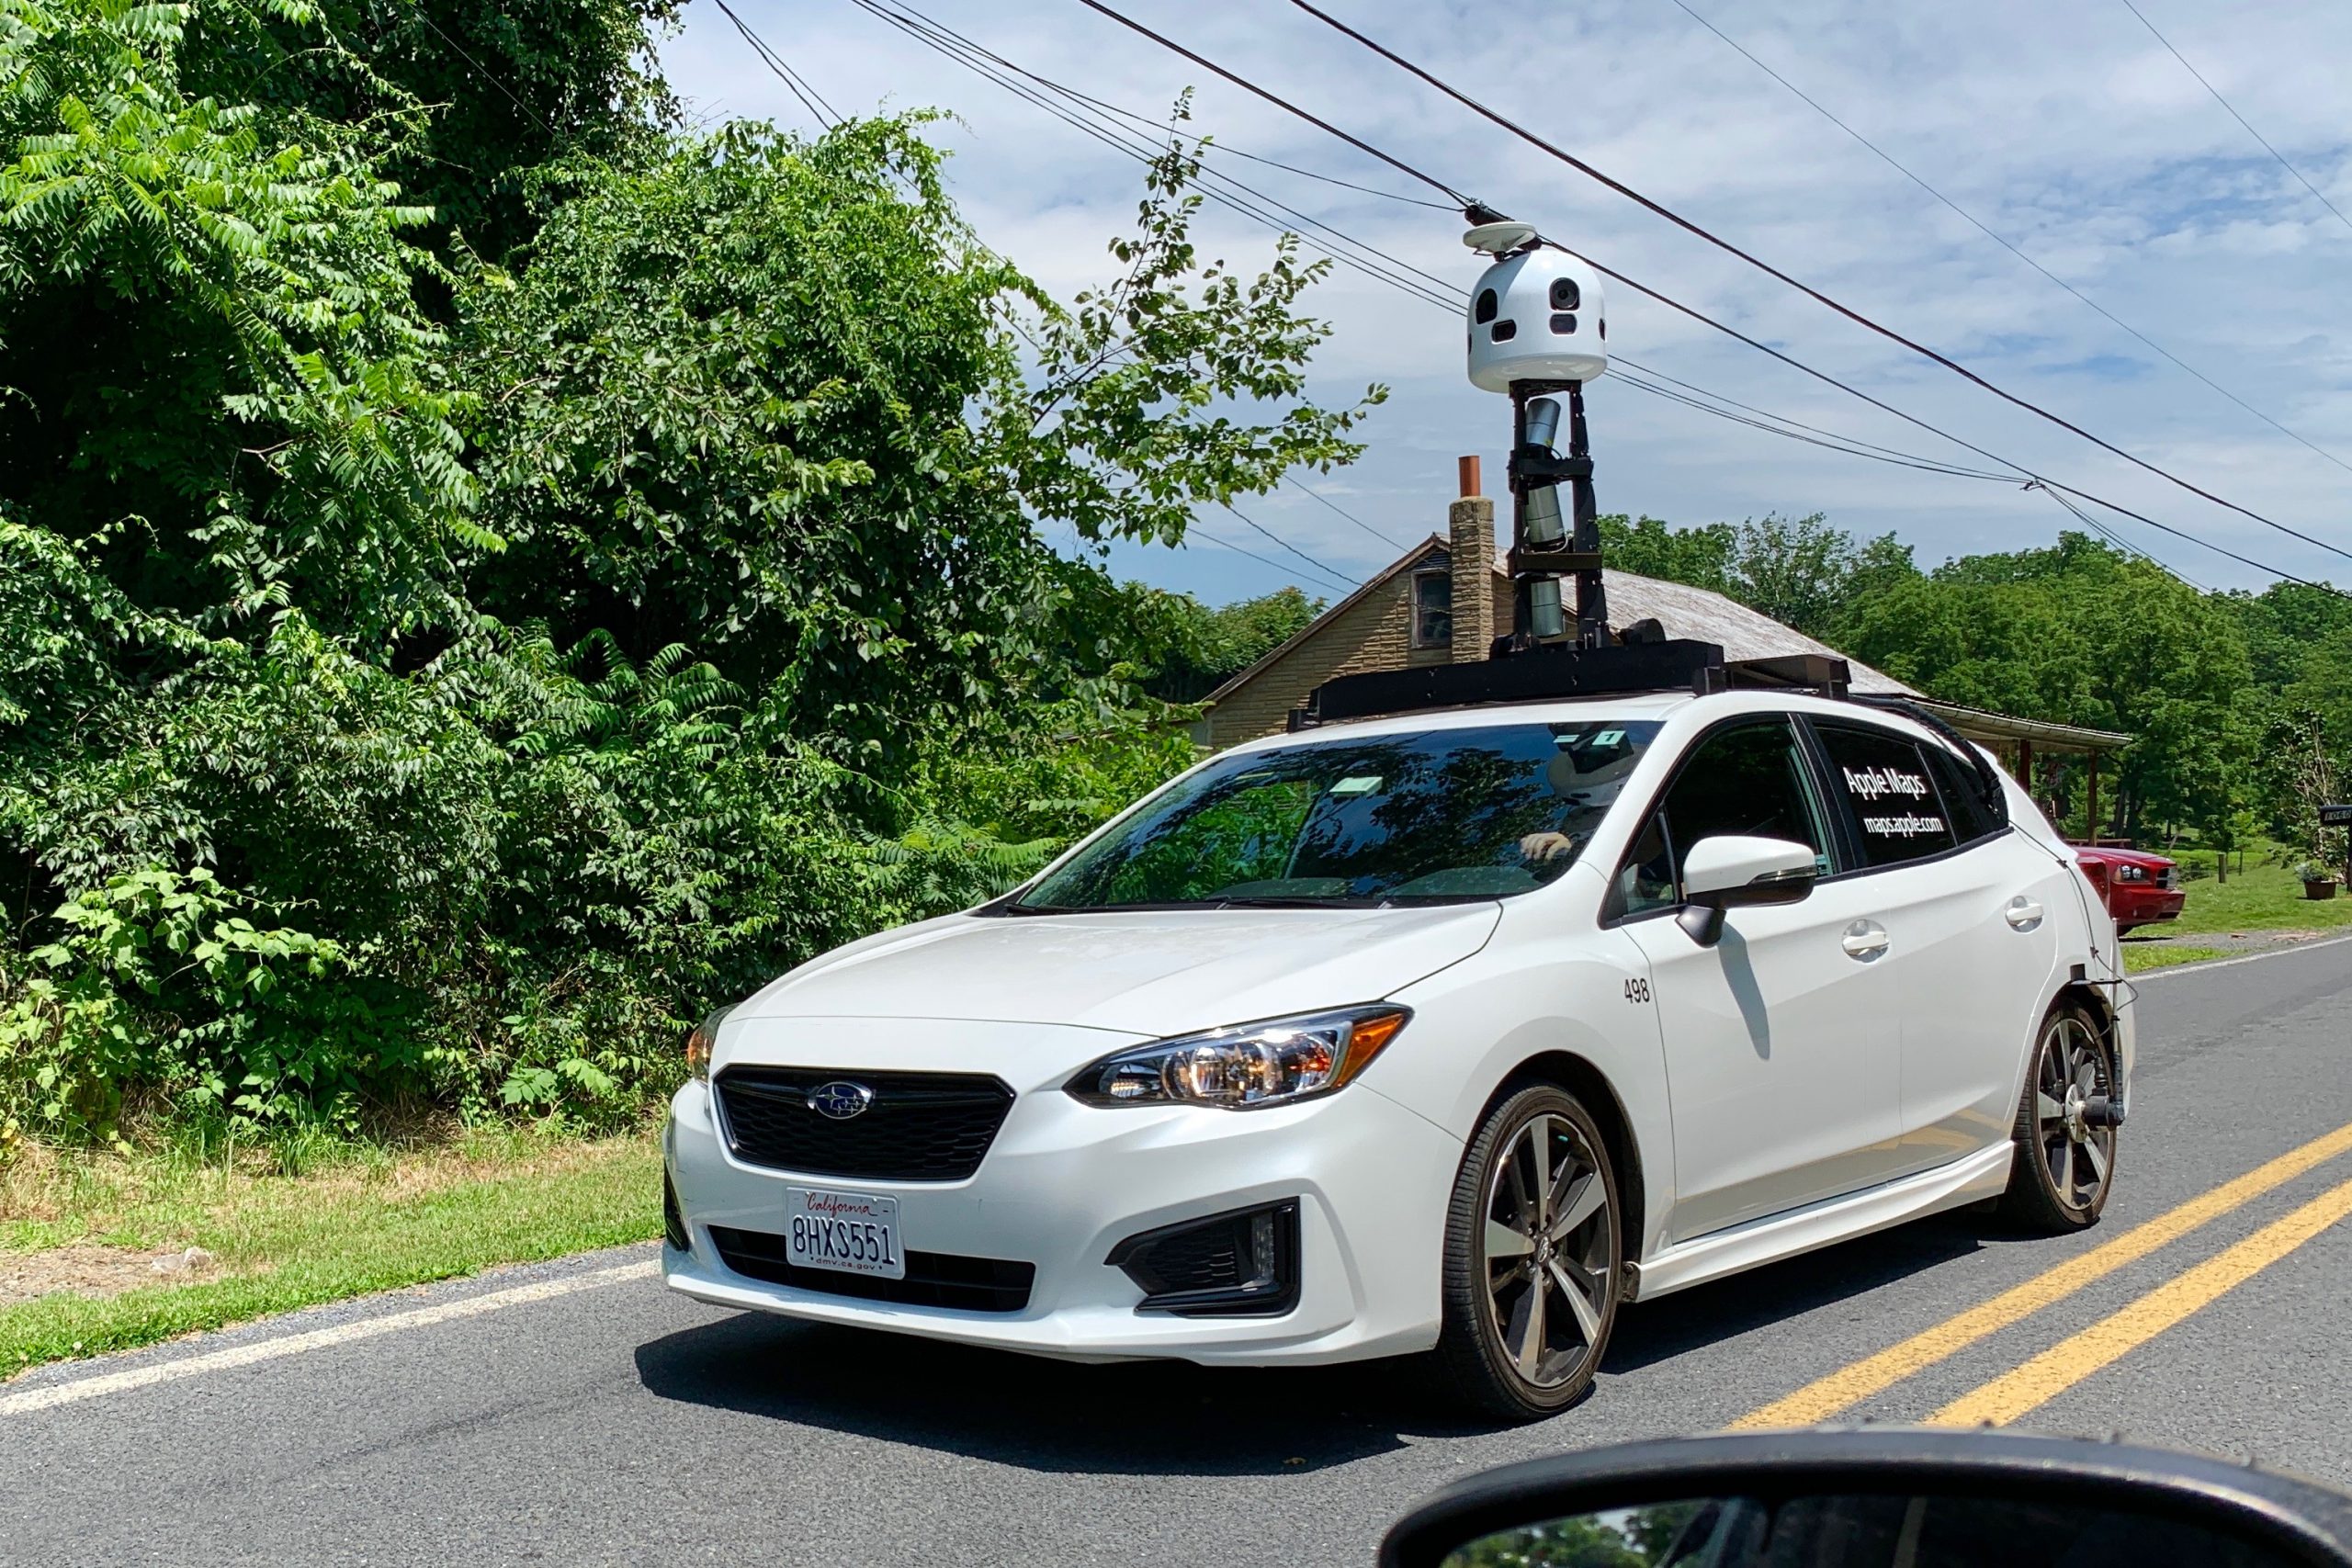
577,1413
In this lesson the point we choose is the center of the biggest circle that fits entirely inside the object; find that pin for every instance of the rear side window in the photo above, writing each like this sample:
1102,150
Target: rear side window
1889,795
1965,804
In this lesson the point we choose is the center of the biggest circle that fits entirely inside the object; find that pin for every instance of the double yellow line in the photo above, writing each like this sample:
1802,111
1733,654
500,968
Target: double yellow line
2068,1362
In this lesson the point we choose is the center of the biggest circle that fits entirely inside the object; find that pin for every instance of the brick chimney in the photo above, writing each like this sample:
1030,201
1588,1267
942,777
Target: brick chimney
1470,532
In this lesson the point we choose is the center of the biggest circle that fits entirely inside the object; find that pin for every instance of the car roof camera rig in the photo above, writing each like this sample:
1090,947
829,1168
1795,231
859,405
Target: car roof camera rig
1538,333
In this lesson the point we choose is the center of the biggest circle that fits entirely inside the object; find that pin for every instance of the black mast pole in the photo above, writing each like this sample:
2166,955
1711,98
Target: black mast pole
1592,598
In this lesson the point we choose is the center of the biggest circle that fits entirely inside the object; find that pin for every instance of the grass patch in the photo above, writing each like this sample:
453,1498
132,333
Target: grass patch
352,1219
2261,898
2140,955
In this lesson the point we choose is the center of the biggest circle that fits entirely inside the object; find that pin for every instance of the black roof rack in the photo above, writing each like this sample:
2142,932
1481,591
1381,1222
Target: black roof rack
1554,674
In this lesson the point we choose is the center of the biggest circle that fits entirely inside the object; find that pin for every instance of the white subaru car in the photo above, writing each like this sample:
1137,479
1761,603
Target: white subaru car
1441,1034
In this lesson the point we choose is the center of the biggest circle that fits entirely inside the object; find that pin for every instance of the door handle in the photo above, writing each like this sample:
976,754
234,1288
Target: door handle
1865,939
2023,913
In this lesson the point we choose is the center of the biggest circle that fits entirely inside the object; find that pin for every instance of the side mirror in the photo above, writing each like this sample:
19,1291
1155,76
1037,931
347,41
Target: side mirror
1802,1499
1731,869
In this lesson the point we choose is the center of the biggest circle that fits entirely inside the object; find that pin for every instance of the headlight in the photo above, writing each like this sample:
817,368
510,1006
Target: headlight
1279,1062
2130,873
701,1038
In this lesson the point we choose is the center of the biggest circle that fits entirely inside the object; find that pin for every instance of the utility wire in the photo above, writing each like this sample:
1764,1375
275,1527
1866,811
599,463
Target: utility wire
1688,226
800,87
1890,161
1152,123
2235,115
1237,195
1359,143
1441,292
1326,571
2117,539
1290,574
426,17
1696,314
1384,538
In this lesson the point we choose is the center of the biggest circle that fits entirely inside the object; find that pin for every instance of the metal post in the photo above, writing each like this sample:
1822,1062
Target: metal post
1592,598
2091,809
1522,633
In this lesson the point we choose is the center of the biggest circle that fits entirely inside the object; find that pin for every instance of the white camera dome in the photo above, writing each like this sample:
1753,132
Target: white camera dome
1537,316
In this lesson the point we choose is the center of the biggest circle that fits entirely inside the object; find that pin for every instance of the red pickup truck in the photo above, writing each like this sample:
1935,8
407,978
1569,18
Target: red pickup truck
2140,890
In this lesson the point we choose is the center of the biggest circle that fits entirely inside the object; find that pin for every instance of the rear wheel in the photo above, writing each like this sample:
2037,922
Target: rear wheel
1535,1245
2065,1160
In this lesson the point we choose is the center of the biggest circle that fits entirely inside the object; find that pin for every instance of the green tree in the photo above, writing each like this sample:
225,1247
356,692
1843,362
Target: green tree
763,396
681,611
1194,649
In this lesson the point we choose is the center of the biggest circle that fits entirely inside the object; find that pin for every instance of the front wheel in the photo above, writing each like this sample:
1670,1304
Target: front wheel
2065,1159
1534,1250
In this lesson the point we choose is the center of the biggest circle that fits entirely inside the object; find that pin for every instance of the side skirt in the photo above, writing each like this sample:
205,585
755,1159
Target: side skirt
1708,1257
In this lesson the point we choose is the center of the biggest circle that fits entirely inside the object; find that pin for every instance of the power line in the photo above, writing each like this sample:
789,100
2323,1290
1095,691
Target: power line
1384,538
1700,232
2235,115
1290,574
946,39
1693,312
800,87
2117,539
1338,576
1087,115
1154,125
480,70
1978,224
1773,425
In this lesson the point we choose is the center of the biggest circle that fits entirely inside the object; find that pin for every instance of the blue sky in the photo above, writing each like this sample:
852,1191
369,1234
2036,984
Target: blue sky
2067,130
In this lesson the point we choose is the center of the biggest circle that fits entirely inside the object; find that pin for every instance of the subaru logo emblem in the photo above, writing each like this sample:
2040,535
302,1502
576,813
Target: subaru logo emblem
840,1099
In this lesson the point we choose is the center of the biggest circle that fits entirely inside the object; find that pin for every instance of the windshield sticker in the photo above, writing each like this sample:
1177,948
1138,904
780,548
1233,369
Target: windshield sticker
1363,784
1897,788
1606,738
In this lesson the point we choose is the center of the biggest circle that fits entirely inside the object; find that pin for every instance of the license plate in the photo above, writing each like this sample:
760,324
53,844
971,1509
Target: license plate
854,1233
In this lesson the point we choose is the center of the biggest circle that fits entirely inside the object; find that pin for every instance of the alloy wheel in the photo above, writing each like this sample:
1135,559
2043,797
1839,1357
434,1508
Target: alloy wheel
2072,1071
1550,1233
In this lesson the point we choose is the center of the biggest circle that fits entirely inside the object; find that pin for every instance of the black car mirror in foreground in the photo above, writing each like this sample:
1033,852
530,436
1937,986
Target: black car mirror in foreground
1876,1499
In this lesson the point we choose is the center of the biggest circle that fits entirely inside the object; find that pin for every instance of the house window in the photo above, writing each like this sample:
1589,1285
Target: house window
1432,608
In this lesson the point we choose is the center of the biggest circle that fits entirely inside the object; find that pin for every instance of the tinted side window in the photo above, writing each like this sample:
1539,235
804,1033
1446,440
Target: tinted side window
1751,779
1886,786
1970,817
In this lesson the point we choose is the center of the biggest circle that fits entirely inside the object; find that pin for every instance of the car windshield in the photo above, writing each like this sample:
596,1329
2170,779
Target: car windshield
1443,815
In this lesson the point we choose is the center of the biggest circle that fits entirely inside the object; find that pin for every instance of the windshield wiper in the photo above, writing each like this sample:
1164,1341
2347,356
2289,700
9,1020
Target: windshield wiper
1293,901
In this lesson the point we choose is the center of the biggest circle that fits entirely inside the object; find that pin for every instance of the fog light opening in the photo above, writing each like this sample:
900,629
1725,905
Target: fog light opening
1243,1263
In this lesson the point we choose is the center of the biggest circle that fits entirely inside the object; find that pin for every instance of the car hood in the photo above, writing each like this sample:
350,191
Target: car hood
1134,972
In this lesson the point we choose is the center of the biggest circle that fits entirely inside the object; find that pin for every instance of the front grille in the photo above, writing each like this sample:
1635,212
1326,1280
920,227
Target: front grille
2169,877
934,1279
917,1126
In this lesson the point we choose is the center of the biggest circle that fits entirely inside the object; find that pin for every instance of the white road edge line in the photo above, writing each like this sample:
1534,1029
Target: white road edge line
2279,952
55,1395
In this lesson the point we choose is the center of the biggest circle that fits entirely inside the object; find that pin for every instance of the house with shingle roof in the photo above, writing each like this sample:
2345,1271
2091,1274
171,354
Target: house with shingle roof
1444,600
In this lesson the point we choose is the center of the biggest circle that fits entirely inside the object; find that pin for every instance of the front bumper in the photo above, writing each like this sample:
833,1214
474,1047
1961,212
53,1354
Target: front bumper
2136,905
1063,1183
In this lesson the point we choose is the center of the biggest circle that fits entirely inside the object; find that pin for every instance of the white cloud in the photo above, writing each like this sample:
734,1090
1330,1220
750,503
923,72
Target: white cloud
2067,129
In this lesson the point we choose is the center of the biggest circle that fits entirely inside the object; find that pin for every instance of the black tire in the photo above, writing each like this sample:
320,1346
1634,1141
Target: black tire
1478,1362
2064,1167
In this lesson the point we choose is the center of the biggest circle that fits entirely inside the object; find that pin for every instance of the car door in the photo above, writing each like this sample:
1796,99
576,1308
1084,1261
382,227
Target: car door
1780,1039
1972,921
